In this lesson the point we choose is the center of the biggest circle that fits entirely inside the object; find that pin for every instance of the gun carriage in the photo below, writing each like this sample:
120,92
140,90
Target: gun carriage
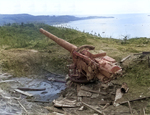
87,66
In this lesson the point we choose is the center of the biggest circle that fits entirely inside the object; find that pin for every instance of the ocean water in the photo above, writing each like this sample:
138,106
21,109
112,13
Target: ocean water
130,25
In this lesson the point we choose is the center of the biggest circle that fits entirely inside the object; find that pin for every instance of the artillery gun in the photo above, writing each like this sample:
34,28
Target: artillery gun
87,66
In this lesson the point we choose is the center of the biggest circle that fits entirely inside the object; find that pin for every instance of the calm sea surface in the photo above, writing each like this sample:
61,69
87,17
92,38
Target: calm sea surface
131,25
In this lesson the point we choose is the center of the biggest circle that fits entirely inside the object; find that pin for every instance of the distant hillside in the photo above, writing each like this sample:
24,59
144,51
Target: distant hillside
50,20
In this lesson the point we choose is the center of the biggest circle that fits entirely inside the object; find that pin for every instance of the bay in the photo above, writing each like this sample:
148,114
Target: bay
129,25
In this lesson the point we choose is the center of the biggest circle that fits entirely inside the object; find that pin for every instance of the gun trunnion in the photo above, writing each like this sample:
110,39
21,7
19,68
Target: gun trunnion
87,66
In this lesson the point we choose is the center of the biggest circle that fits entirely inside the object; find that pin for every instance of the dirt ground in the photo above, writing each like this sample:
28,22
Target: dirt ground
58,96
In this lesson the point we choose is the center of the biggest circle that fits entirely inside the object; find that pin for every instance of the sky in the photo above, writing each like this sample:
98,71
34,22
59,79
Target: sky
74,7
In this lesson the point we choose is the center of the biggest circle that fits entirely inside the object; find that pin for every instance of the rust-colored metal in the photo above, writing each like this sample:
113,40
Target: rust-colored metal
68,46
87,66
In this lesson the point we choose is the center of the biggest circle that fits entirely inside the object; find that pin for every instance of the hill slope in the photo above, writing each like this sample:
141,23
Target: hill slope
27,37
50,20
25,51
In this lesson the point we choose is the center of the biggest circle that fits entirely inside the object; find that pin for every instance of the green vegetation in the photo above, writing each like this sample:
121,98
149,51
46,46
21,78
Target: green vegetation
16,42
24,50
28,36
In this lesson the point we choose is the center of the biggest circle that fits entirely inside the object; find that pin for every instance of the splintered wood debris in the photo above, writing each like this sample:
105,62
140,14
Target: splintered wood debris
93,98
64,103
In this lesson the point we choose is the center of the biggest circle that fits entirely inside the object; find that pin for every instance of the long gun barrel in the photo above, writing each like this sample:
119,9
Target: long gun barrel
87,66
68,46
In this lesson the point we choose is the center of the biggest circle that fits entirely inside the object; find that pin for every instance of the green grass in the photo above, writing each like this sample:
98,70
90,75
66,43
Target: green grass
55,58
28,35
138,72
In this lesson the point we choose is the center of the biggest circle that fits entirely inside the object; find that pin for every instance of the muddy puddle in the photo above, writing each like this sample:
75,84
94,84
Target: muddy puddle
17,103
49,89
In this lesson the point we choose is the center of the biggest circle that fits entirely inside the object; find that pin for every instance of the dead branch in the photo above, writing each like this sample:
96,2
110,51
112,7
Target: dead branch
107,104
23,107
130,107
144,111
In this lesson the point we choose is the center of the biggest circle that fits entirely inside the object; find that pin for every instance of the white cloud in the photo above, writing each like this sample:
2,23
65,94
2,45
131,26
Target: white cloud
73,7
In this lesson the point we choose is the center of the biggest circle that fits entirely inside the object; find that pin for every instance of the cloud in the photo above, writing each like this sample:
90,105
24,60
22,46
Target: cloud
74,7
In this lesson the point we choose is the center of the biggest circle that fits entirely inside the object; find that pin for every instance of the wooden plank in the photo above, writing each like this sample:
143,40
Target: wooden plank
134,100
125,58
93,108
92,91
24,93
6,81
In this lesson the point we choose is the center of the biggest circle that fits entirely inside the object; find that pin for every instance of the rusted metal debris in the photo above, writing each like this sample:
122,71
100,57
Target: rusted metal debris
142,57
124,88
143,53
86,65
119,93
118,96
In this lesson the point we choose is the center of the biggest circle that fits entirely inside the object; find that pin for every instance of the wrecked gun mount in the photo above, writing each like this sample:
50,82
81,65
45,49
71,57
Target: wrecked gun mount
87,66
